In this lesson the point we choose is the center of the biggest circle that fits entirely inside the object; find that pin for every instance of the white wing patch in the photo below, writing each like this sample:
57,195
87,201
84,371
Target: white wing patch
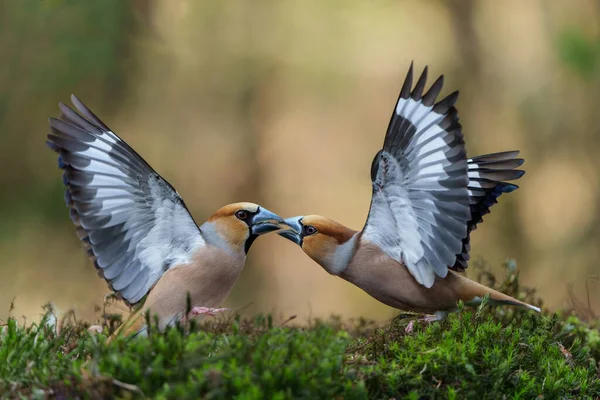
389,211
420,205
133,223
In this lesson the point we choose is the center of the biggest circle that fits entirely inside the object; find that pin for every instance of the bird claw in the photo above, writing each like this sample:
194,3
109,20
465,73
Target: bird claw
206,311
95,329
437,316
427,318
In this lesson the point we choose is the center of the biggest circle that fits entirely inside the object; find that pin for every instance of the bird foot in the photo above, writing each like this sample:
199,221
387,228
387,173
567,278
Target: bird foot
95,329
409,328
427,318
437,316
206,311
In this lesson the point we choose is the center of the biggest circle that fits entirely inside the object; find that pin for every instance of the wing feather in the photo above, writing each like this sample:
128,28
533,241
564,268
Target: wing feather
133,223
487,174
427,196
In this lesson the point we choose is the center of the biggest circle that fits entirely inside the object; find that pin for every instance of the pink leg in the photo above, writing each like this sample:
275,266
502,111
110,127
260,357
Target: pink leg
206,311
438,316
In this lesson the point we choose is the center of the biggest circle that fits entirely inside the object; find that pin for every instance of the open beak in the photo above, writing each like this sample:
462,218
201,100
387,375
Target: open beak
294,232
266,221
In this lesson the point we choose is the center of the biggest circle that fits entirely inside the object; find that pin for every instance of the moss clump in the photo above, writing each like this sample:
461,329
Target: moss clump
489,353
470,356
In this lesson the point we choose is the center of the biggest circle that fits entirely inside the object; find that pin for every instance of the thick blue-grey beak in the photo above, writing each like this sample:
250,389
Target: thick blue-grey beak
266,221
295,232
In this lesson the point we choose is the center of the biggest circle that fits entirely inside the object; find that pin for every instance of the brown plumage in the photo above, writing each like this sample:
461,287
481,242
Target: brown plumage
427,199
391,283
207,279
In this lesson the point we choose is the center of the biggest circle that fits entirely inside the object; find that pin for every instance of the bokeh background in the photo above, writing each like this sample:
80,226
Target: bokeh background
285,103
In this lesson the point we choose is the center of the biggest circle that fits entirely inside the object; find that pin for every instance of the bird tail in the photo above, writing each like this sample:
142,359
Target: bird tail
472,293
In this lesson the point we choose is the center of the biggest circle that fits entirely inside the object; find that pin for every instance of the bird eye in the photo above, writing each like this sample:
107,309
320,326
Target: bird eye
241,214
309,230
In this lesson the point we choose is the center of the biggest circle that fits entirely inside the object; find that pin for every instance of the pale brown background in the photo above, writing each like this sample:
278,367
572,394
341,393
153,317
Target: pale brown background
285,103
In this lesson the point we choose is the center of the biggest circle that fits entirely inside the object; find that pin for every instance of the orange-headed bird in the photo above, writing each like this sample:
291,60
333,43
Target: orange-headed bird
427,198
138,231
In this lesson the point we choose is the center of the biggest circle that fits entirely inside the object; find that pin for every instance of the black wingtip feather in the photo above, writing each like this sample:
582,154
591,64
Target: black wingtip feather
74,216
433,92
495,157
61,163
52,146
417,92
446,104
82,108
407,86
69,115
68,198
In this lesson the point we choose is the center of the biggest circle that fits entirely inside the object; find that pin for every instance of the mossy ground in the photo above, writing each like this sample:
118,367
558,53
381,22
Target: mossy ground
488,353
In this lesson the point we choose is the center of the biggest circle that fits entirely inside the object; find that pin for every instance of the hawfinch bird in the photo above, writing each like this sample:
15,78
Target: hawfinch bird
139,232
427,198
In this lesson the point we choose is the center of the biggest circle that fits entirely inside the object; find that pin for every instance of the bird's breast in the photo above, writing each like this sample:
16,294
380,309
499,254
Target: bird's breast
391,283
207,280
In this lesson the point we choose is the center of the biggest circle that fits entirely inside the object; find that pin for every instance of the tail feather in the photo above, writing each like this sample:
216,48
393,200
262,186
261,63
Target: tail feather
472,293
512,302
487,174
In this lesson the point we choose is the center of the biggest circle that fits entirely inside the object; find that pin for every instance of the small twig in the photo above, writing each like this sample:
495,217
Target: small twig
11,307
127,386
104,310
310,313
242,308
288,320
587,289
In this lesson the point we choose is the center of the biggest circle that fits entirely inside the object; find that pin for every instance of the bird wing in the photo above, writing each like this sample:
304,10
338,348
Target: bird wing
133,223
487,174
420,204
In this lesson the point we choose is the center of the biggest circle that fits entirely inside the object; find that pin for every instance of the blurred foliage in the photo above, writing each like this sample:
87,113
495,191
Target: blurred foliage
579,52
51,48
477,357
285,103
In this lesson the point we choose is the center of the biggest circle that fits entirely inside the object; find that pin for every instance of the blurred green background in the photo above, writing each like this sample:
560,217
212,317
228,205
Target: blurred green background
285,103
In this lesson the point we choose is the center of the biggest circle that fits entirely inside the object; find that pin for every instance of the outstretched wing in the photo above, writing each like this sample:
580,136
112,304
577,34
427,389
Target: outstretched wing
487,174
420,205
133,223
427,196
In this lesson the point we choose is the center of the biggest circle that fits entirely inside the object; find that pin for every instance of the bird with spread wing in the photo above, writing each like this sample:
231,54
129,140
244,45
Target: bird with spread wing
427,199
138,231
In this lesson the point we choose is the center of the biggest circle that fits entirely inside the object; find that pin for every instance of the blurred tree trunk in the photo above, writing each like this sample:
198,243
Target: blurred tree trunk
82,48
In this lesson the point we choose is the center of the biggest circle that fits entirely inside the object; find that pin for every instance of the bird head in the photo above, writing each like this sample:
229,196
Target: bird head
326,241
239,224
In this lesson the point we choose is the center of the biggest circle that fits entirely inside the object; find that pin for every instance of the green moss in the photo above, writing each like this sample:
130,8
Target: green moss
489,353
470,357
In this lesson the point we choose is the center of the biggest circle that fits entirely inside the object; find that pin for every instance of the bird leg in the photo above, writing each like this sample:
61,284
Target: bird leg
206,311
427,318
409,327
195,311
437,316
